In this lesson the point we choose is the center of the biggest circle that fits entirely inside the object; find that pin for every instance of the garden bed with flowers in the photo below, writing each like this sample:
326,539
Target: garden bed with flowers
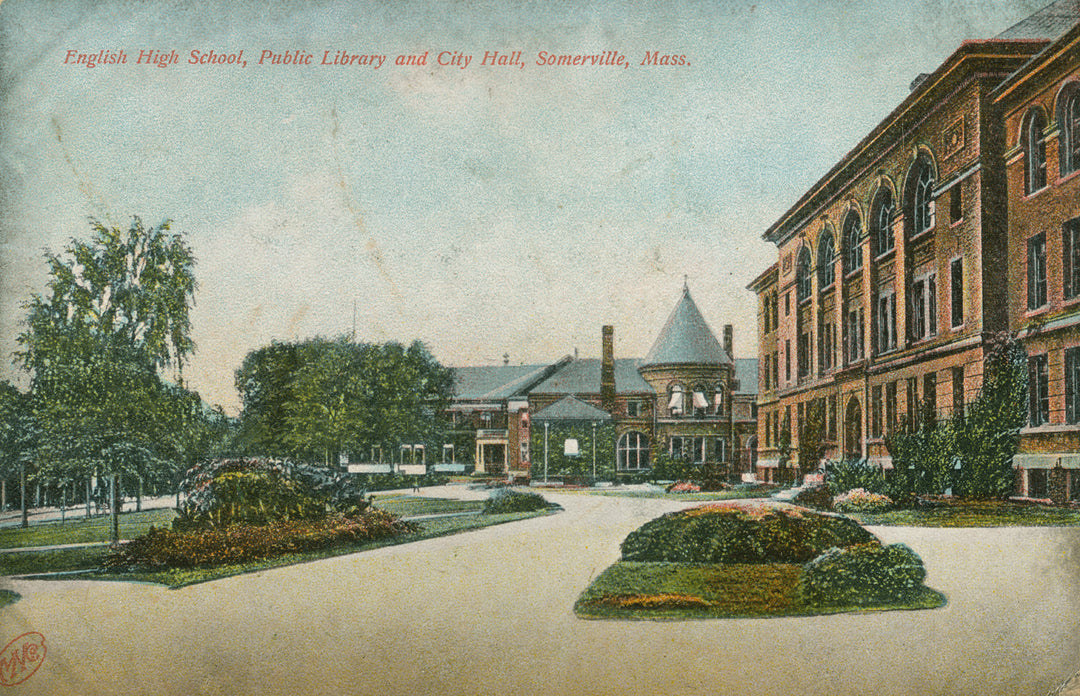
733,560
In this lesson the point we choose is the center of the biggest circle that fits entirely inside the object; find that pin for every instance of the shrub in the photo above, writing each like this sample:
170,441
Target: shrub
860,500
503,500
864,574
239,543
741,533
817,497
258,491
849,474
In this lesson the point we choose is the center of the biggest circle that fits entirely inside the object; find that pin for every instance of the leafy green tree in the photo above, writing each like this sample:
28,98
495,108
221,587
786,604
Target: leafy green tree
317,398
989,434
116,311
18,432
812,437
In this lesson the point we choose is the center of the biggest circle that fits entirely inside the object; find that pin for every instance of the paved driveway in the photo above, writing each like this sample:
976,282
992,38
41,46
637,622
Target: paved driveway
490,612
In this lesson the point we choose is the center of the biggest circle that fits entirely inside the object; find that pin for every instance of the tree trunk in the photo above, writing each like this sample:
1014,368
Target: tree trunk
114,525
22,491
88,494
138,497
63,503
3,494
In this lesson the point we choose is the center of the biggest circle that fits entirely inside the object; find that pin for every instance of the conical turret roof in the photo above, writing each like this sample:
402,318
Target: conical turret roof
686,339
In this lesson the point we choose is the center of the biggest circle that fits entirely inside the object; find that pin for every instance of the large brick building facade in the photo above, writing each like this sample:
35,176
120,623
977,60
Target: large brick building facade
891,271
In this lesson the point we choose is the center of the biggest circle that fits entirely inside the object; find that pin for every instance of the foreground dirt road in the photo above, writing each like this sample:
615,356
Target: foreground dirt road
490,612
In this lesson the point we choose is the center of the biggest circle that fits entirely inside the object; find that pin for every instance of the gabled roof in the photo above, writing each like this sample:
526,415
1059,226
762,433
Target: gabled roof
583,377
570,409
1048,23
686,339
498,382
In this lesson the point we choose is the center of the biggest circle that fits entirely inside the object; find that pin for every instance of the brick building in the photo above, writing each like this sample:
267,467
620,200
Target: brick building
1040,107
891,269
688,398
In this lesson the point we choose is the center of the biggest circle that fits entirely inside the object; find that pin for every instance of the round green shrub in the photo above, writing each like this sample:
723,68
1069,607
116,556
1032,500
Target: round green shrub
818,497
742,533
866,574
503,500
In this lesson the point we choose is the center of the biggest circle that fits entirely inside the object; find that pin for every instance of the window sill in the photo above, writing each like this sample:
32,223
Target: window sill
1041,309
853,273
884,256
922,236
956,223
1068,177
1035,193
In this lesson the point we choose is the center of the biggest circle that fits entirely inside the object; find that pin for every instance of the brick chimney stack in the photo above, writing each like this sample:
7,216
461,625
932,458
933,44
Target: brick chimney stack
728,338
607,369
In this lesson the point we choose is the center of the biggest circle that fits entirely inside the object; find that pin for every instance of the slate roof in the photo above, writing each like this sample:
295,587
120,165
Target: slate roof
570,409
1048,23
496,382
746,373
583,377
686,339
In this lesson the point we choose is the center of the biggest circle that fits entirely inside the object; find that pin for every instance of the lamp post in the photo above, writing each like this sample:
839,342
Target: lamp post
545,451
594,453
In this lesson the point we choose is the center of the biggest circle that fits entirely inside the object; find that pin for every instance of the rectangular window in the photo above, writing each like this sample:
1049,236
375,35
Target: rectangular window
787,359
633,408
1070,258
720,449
930,394
875,411
890,406
1038,390
804,354
1036,271
958,391
776,369
826,349
767,373
1036,480
922,316
913,403
886,319
956,292
956,204
832,418
787,304
1072,385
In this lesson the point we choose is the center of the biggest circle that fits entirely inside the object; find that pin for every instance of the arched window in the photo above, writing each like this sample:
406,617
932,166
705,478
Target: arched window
677,400
1034,146
632,452
1068,116
826,267
852,234
881,222
802,275
920,197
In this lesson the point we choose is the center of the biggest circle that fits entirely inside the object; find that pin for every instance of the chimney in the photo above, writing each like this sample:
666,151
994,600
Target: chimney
728,334
607,369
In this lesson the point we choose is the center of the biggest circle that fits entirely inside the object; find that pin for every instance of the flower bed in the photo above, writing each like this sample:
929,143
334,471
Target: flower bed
861,500
160,548
684,487
503,500
742,533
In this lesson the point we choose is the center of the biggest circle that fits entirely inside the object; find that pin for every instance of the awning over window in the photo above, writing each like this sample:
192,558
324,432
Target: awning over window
699,400
676,403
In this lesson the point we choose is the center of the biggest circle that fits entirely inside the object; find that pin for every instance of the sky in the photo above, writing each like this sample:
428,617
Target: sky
486,210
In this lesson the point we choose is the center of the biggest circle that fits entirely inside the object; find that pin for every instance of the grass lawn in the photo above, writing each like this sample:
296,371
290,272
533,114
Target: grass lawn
629,590
55,561
984,513
80,530
182,577
409,506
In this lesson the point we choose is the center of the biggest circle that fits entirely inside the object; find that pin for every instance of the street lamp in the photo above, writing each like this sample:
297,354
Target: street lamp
594,453
545,452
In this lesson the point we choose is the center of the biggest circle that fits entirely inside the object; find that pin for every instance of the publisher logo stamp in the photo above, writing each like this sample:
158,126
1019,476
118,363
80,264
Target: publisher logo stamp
21,658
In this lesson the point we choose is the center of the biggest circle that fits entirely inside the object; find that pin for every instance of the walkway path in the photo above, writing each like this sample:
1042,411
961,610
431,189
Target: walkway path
491,611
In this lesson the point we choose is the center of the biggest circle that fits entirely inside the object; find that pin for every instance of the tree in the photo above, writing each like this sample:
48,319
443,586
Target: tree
989,434
116,311
812,436
17,439
314,399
